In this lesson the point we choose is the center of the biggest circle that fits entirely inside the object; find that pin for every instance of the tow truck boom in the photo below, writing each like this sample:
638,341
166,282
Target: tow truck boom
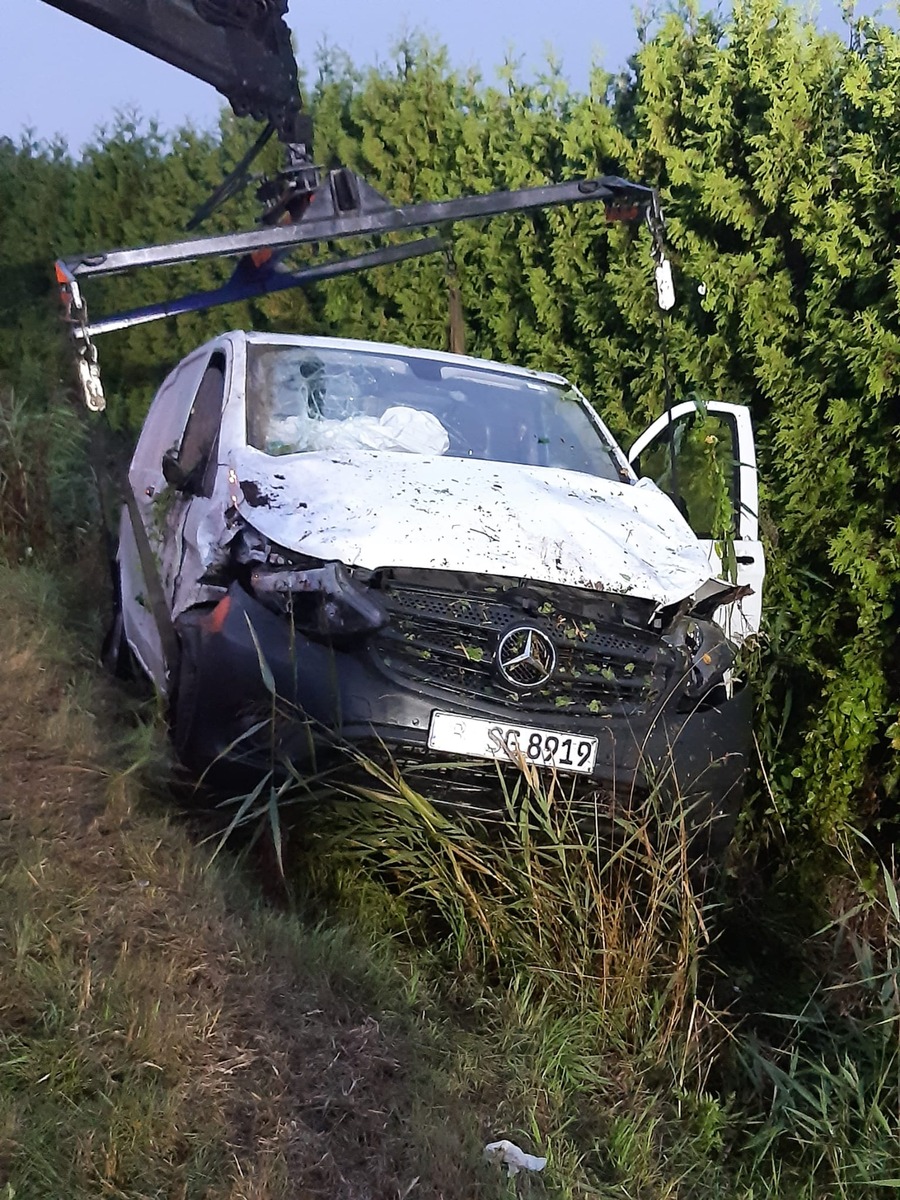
243,48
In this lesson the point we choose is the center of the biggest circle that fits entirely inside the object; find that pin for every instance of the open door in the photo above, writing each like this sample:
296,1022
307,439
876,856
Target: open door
703,456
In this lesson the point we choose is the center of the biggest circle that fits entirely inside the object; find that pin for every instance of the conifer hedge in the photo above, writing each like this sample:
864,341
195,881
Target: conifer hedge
776,148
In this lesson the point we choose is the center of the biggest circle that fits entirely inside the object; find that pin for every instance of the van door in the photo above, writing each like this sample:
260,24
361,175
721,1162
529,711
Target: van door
182,427
703,456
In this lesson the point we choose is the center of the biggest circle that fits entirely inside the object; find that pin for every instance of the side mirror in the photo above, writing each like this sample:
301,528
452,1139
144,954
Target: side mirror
173,472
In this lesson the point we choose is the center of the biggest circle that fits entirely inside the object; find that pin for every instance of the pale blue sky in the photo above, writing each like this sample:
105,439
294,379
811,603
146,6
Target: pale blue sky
61,76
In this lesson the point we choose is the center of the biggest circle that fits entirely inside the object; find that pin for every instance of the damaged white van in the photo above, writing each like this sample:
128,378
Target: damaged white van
443,556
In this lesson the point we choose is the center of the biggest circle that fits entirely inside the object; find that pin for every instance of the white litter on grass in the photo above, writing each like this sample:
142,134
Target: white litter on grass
516,1160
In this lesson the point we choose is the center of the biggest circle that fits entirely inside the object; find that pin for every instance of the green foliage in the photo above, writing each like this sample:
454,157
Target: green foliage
828,1073
46,489
772,171
775,149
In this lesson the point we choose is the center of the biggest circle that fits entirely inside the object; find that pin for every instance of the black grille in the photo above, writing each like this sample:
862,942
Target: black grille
449,639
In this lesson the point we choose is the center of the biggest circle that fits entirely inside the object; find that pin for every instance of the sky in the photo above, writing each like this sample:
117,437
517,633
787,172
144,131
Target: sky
61,76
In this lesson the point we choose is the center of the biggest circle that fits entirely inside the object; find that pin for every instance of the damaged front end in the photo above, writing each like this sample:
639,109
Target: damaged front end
373,657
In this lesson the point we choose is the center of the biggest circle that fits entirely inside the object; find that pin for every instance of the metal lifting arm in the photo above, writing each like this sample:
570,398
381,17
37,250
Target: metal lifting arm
346,206
343,206
248,282
243,48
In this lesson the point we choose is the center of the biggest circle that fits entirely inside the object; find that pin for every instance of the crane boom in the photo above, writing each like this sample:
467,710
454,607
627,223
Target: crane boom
241,47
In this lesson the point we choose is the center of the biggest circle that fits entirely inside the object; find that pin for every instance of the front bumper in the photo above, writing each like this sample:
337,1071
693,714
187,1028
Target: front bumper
226,715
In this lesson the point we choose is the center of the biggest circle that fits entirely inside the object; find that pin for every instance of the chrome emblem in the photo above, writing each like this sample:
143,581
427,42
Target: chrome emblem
526,657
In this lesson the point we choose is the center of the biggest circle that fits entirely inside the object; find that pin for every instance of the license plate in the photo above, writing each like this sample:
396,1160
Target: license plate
512,743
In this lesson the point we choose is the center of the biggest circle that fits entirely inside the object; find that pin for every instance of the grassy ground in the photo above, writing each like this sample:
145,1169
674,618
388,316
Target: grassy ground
164,1034
161,1034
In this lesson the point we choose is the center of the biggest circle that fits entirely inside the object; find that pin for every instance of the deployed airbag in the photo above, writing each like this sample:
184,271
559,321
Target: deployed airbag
408,430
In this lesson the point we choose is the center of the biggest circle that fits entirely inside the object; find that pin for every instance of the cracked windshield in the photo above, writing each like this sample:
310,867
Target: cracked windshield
302,399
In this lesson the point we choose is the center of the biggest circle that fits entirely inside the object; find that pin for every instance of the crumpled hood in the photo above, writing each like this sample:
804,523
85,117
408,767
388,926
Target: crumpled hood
379,509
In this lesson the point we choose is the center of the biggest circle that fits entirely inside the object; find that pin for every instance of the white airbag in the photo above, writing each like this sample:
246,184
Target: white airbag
400,428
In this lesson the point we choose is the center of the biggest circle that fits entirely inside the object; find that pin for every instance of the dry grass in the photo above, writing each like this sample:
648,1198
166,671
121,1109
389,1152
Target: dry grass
160,1035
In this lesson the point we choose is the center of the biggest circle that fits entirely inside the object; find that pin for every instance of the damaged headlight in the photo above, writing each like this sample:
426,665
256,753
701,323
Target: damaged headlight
323,601
709,656
321,598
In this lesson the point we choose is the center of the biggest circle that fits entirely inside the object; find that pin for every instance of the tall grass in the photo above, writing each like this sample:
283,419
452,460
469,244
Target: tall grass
828,1074
606,920
47,495
580,945
567,938
572,937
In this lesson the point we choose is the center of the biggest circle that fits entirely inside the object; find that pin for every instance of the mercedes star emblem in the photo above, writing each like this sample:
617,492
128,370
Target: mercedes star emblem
526,657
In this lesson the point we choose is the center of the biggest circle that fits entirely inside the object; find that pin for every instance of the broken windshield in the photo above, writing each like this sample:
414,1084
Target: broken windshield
302,399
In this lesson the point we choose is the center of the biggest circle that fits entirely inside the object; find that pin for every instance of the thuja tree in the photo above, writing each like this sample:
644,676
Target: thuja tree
777,149
34,187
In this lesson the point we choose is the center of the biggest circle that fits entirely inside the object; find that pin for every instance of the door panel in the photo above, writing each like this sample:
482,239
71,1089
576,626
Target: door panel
703,456
184,417
197,454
